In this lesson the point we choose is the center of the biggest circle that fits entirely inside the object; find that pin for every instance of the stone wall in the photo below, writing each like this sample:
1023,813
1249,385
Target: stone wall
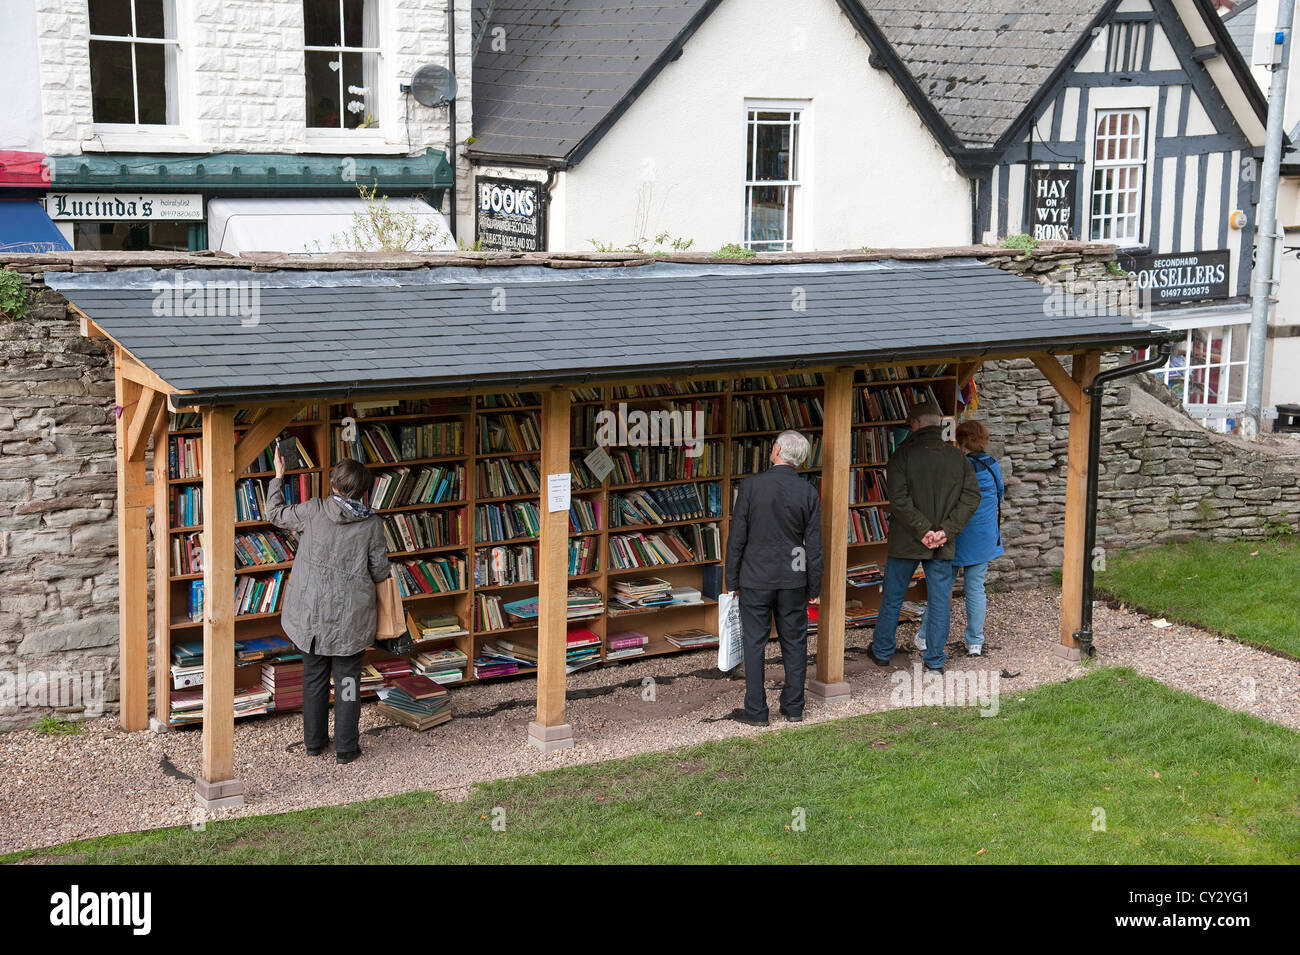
1163,476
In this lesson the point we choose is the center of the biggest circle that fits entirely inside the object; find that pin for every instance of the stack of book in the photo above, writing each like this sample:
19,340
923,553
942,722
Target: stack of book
630,643
269,647
392,670
440,666
187,705
284,681
692,638
187,664
582,649
585,602
865,575
417,702
435,626
638,593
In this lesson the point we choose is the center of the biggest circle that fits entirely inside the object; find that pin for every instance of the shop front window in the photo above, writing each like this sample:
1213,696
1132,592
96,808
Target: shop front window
772,186
132,236
1208,368
342,57
133,69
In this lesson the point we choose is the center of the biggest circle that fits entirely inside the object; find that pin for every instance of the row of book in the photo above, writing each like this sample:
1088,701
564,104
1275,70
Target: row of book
584,556
584,515
669,388
265,547
871,574
903,372
662,505
510,432
687,544
504,565
779,382
504,477
775,414
875,445
502,522
294,452
752,455
405,487
641,465
868,525
184,458
388,407
253,595
421,530
437,575
868,486
377,444
187,705
187,553
510,399
251,503
890,404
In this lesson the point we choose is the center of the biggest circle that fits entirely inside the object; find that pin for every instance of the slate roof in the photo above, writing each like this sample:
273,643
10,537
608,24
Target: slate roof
981,65
565,67
324,334
1240,23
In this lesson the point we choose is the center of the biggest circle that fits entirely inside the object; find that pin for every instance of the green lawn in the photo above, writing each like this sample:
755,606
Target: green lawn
1246,589
1178,779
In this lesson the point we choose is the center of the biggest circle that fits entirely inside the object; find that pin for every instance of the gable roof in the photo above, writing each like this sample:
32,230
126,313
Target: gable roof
565,70
1240,24
331,334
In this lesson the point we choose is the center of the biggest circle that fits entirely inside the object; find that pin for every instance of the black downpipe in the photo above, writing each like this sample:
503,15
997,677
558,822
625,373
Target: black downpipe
1095,391
451,112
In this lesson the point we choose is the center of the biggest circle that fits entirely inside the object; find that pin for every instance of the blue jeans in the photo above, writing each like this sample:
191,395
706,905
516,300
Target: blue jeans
934,626
976,604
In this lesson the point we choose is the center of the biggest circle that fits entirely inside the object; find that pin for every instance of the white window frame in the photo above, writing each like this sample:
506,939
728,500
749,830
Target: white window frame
175,98
798,184
1227,368
341,132
1141,164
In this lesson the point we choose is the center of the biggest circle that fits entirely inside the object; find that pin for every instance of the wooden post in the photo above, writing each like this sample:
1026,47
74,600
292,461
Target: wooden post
217,788
549,731
1076,491
162,591
829,684
132,557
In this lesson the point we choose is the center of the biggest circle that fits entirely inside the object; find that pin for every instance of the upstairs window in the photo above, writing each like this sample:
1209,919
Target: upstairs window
133,52
1119,165
342,62
772,187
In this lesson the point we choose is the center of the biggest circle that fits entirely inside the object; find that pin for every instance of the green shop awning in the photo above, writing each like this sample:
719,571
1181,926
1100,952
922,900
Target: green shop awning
256,174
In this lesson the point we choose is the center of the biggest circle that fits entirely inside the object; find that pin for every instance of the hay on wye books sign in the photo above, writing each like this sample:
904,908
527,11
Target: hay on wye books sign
1051,202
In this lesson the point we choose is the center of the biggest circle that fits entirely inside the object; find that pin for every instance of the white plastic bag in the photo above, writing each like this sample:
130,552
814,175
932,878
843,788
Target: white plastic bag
731,643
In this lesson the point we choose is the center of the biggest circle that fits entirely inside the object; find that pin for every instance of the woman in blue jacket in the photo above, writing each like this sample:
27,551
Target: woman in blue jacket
980,541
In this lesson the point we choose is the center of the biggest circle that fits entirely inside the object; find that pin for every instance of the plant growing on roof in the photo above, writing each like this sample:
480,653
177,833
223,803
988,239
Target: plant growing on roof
377,227
13,294
733,250
1020,240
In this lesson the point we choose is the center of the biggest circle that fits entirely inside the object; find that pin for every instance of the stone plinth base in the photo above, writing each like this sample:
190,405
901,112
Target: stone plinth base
828,692
226,794
550,738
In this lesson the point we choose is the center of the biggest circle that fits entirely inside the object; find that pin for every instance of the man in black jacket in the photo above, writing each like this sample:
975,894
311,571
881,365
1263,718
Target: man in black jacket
933,492
774,566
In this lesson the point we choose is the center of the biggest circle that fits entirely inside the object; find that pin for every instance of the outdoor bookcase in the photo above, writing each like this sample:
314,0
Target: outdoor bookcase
578,334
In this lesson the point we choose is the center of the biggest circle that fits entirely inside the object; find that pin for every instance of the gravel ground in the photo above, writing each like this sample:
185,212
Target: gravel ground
103,780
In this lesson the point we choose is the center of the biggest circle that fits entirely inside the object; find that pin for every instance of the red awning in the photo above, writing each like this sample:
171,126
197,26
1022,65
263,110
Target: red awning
19,170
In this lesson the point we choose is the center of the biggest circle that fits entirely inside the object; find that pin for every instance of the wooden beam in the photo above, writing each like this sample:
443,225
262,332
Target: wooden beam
1076,488
257,438
966,372
837,450
132,565
143,417
218,455
162,561
1061,380
134,371
549,731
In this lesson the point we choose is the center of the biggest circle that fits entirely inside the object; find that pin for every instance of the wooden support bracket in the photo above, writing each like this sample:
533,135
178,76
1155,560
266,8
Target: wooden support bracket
256,439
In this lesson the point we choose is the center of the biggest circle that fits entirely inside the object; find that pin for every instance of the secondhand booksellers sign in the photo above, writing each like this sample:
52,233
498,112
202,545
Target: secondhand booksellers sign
510,215
1180,276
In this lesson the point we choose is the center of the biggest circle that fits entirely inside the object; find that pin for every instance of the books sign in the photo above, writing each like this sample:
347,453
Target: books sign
510,215
1051,202
148,207
1180,276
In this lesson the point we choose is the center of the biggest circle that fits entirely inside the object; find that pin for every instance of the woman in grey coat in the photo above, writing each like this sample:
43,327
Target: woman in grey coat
329,602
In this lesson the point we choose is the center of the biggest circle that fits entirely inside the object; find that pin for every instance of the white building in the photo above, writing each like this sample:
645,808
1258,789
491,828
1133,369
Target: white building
192,109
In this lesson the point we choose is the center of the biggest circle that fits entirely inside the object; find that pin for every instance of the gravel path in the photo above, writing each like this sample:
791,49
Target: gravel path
103,780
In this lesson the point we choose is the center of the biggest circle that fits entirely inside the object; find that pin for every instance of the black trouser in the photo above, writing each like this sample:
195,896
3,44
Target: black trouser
790,607
316,671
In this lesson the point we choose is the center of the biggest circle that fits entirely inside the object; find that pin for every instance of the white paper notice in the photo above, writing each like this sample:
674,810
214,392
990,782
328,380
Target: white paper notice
557,492
600,463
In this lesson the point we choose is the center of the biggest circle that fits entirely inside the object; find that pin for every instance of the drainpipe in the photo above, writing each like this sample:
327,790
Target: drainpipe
451,112
1095,391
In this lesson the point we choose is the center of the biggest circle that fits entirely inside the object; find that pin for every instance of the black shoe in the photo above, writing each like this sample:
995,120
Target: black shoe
346,757
315,750
875,659
740,716
791,718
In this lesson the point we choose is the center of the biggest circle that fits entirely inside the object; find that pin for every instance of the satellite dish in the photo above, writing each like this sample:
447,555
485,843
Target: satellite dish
432,85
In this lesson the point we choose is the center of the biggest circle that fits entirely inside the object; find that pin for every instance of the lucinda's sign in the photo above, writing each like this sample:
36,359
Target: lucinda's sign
1051,202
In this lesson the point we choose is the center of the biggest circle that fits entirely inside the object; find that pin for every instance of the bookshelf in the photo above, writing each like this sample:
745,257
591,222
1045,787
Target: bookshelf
459,488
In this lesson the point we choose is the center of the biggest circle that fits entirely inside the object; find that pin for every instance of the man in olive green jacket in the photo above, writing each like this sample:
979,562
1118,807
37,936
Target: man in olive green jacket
933,492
